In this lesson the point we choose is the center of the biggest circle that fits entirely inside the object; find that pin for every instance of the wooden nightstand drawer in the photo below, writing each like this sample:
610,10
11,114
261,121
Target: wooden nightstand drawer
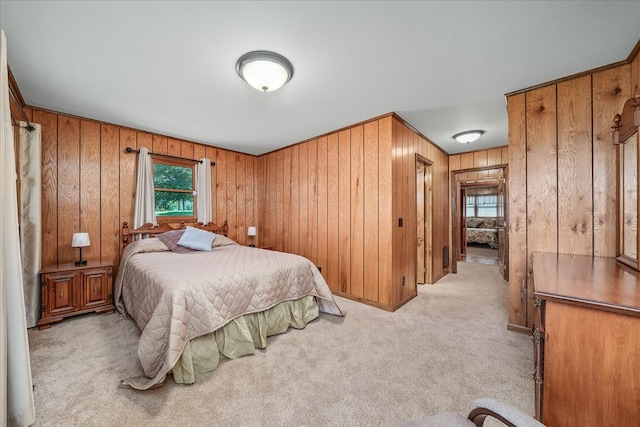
69,290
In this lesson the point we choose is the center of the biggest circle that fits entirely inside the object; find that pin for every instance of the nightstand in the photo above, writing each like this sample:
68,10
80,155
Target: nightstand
69,290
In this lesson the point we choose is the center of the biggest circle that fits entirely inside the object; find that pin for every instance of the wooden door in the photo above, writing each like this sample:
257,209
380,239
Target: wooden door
503,236
424,244
462,224
420,223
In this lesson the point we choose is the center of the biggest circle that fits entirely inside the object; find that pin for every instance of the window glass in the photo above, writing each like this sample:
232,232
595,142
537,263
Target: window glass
482,206
173,182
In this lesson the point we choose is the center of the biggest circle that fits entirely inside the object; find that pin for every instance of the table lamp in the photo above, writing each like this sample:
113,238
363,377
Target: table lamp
80,240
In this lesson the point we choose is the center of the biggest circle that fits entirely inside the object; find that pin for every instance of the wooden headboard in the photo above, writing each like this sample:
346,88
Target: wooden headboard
148,230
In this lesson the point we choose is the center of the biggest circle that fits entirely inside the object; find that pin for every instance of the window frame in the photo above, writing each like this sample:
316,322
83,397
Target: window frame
180,163
475,205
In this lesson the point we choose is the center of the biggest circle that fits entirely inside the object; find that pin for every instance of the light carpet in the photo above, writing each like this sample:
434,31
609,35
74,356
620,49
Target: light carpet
439,352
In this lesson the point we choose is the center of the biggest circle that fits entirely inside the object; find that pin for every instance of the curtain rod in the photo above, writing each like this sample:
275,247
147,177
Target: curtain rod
29,126
131,150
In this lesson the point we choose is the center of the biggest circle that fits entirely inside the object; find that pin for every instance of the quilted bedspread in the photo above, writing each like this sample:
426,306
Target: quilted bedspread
175,297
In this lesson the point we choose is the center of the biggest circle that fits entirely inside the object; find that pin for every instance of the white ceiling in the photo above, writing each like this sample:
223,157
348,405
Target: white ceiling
169,66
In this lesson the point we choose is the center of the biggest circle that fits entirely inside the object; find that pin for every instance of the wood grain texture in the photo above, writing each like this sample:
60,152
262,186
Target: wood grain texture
186,150
286,202
303,191
160,144
128,166
109,193
68,186
281,194
357,212
240,199
49,147
466,161
542,171
250,218
294,177
333,235
220,213
611,88
322,222
371,212
344,211
517,207
575,150
173,147
385,210
312,201
90,186
596,352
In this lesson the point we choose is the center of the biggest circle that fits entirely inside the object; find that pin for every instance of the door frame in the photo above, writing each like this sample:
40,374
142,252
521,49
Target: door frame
455,189
428,217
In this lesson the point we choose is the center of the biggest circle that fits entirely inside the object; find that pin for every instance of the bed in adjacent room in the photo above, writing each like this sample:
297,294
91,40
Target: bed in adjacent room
483,231
214,300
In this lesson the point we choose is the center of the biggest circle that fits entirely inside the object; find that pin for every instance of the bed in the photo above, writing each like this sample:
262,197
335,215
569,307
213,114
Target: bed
196,308
483,231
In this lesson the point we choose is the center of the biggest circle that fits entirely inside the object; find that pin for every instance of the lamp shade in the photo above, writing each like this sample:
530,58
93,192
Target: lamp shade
251,231
264,71
80,240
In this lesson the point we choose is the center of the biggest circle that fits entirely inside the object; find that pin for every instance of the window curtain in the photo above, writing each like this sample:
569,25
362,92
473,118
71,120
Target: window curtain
203,191
30,219
145,205
16,393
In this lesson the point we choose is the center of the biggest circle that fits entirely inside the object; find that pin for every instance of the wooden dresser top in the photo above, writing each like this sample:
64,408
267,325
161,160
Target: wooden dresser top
597,282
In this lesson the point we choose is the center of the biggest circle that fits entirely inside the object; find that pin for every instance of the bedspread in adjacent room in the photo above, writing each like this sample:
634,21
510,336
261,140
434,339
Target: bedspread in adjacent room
174,298
488,236
482,230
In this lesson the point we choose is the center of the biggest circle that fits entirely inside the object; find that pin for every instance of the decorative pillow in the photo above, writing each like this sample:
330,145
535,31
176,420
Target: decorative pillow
222,240
488,223
199,240
170,238
473,222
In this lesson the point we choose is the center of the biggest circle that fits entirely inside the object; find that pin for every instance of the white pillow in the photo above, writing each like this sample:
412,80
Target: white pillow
196,239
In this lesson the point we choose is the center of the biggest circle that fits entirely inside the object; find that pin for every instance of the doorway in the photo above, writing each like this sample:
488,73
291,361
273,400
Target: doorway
424,241
479,217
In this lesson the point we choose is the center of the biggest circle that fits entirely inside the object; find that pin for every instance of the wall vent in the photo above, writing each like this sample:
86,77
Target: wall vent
445,257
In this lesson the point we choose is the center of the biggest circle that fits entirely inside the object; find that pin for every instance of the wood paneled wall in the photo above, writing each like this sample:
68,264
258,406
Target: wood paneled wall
562,173
88,183
337,199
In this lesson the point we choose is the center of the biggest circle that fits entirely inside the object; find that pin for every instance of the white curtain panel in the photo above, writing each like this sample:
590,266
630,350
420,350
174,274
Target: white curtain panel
203,190
16,393
145,204
31,219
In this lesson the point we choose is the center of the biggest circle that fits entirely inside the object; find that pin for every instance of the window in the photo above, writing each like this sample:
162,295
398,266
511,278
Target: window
174,185
482,206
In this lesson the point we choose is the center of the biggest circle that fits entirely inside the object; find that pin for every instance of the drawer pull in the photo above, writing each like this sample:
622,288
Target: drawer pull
61,293
95,288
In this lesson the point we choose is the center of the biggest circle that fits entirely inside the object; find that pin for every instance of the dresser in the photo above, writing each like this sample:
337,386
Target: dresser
69,290
586,341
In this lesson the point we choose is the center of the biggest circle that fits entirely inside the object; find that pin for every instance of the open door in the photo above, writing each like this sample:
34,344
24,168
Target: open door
423,221
503,236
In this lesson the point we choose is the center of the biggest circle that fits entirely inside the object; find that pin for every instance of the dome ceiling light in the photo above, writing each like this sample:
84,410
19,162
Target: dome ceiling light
468,136
263,70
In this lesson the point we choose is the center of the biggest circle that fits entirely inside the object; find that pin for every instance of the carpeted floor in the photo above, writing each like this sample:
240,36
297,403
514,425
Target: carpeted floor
439,352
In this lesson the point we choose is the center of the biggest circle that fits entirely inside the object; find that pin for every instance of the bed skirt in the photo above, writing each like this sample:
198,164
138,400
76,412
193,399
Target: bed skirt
242,336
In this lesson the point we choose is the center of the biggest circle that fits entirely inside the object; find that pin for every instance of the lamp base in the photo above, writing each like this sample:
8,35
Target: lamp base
81,262
252,245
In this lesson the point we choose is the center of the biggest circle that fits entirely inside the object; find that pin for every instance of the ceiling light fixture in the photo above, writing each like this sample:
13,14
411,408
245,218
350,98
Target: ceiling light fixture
263,70
468,136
